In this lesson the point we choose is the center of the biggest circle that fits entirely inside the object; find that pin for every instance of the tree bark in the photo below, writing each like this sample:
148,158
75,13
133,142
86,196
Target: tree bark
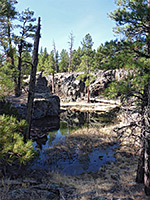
53,84
10,54
32,81
19,70
140,169
141,161
70,50
88,87
147,146
147,167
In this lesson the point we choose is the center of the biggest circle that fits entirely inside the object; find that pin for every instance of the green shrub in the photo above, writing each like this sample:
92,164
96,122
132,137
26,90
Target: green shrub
12,147
6,81
7,108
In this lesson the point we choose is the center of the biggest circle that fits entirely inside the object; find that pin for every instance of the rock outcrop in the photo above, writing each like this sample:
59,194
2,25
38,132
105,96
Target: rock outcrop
70,88
45,104
67,86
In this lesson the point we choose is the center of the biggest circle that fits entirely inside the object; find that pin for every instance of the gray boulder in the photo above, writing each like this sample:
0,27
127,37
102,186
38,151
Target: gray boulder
41,85
45,105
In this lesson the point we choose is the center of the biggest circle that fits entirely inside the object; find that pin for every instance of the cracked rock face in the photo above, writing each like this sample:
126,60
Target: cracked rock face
46,105
73,89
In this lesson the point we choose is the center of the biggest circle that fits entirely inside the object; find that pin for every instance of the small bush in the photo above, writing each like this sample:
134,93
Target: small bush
7,108
12,147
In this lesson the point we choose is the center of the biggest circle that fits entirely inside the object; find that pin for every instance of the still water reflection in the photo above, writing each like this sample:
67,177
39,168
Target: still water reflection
54,156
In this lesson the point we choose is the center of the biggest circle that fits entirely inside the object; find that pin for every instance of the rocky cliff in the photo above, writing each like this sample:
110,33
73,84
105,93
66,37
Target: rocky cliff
69,88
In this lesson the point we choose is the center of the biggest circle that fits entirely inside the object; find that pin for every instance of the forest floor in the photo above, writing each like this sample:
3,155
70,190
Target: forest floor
114,180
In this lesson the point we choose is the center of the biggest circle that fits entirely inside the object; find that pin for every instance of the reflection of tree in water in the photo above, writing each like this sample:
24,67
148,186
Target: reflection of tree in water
57,135
75,118
84,160
51,137
41,141
86,119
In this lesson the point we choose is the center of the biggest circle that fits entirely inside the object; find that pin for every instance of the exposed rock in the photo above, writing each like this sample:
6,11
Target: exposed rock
45,105
41,85
71,89
101,82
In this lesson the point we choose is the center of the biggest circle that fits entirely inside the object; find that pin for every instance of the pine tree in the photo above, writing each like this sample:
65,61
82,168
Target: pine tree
51,68
76,59
87,61
27,30
7,14
43,59
133,21
64,61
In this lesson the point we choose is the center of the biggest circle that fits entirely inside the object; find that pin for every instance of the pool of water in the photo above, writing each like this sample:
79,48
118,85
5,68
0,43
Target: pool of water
72,162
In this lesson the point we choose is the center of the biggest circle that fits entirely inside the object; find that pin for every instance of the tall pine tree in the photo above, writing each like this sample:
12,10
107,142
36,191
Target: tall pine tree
133,22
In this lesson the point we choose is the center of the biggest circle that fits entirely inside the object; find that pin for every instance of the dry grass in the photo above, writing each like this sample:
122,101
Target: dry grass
114,180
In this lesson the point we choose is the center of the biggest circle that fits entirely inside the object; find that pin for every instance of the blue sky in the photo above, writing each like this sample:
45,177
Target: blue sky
61,17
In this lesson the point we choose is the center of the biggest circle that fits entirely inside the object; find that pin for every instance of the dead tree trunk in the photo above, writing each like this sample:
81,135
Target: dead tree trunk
88,79
70,50
53,84
147,146
32,80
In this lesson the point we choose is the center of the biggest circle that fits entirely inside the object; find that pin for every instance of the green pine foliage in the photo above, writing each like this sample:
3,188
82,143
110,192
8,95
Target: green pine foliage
6,81
50,64
42,59
12,147
64,61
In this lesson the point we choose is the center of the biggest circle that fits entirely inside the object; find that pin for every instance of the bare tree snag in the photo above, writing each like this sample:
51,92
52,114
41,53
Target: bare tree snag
71,38
32,80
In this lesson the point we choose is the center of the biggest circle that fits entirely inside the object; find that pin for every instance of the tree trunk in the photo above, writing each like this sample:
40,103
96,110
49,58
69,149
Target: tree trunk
140,169
70,50
147,146
19,71
32,81
53,85
147,167
88,87
88,94
10,54
143,171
